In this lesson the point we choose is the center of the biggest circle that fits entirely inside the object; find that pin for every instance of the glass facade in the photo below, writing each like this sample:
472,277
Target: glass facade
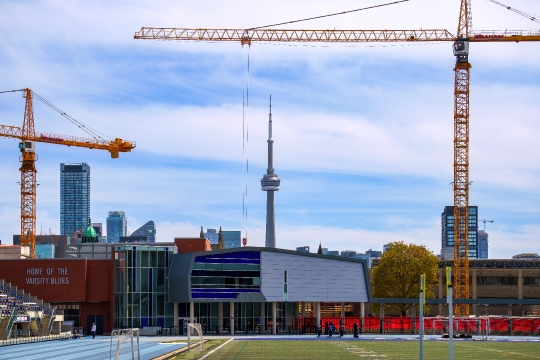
148,230
141,286
232,239
224,276
212,236
45,251
447,230
74,197
116,226
483,245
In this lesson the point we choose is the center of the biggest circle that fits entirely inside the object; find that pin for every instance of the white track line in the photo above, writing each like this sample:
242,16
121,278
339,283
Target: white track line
216,349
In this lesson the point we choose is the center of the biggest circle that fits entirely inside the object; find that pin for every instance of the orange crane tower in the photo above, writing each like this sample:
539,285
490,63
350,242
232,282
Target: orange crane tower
461,96
461,161
28,137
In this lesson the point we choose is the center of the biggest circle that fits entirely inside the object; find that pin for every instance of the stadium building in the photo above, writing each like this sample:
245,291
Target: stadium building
265,289
169,284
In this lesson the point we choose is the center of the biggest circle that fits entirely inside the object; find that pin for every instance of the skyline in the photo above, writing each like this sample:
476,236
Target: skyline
363,132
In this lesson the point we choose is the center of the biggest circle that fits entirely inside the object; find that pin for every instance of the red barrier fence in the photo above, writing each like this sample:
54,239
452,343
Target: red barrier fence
438,325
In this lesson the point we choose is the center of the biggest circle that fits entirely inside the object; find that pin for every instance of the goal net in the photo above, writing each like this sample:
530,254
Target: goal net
125,344
195,330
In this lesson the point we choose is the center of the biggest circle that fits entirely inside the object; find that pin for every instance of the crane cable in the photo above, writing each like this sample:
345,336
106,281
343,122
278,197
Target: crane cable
323,16
522,13
87,129
245,139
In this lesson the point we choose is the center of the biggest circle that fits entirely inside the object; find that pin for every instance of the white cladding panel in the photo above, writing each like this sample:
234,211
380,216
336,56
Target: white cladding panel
312,279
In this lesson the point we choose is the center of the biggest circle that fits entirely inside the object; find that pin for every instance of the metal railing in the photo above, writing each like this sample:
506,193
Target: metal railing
17,337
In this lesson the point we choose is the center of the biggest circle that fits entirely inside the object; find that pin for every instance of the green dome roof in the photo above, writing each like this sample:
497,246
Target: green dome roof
89,234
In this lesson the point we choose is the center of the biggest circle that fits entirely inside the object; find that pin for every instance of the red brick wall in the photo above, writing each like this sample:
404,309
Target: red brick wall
186,245
88,282
53,280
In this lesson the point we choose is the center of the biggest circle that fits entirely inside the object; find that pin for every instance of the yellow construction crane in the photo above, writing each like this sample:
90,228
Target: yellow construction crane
28,136
462,68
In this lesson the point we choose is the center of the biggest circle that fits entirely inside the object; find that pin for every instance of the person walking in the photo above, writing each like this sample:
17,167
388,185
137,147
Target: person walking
93,330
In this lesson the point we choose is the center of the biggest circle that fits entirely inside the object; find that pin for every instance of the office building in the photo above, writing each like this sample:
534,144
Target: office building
45,251
374,253
447,232
231,239
60,243
483,244
74,197
148,231
349,253
304,249
212,235
116,226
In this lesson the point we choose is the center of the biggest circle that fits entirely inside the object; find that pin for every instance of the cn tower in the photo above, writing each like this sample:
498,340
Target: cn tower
270,183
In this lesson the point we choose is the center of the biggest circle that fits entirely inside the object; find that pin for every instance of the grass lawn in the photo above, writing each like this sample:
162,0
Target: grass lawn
339,349
195,350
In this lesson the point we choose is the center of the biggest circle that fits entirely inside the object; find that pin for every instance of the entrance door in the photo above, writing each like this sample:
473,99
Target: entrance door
183,323
98,320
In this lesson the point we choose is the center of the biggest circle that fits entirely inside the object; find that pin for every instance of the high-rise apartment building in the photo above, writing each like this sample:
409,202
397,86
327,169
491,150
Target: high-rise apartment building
447,232
116,226
483,245
74,197
148,230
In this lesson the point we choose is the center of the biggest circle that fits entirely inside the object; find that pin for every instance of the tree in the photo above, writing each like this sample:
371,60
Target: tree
398,274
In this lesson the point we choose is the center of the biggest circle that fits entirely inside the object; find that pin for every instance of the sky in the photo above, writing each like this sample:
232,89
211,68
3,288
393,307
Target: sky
363,132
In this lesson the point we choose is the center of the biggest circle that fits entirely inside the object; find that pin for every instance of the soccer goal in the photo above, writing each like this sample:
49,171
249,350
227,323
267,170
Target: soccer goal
125,344
195,330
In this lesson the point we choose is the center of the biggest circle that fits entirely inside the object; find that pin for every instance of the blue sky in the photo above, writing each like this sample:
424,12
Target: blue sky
363,133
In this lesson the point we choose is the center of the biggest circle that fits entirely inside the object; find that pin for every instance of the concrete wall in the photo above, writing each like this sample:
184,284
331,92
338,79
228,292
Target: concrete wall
312,278
14,252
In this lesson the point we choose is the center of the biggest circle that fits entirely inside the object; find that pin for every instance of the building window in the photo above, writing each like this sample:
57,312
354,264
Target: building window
224,276
534,281
496,280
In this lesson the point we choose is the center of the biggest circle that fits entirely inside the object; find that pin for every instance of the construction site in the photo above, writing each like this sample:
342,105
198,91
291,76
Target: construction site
369,147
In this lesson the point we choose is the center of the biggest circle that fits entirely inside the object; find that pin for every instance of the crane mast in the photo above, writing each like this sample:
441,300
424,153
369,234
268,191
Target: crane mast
28,177
461,161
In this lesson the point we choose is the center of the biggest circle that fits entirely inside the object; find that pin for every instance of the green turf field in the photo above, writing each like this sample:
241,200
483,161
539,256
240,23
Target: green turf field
336,349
